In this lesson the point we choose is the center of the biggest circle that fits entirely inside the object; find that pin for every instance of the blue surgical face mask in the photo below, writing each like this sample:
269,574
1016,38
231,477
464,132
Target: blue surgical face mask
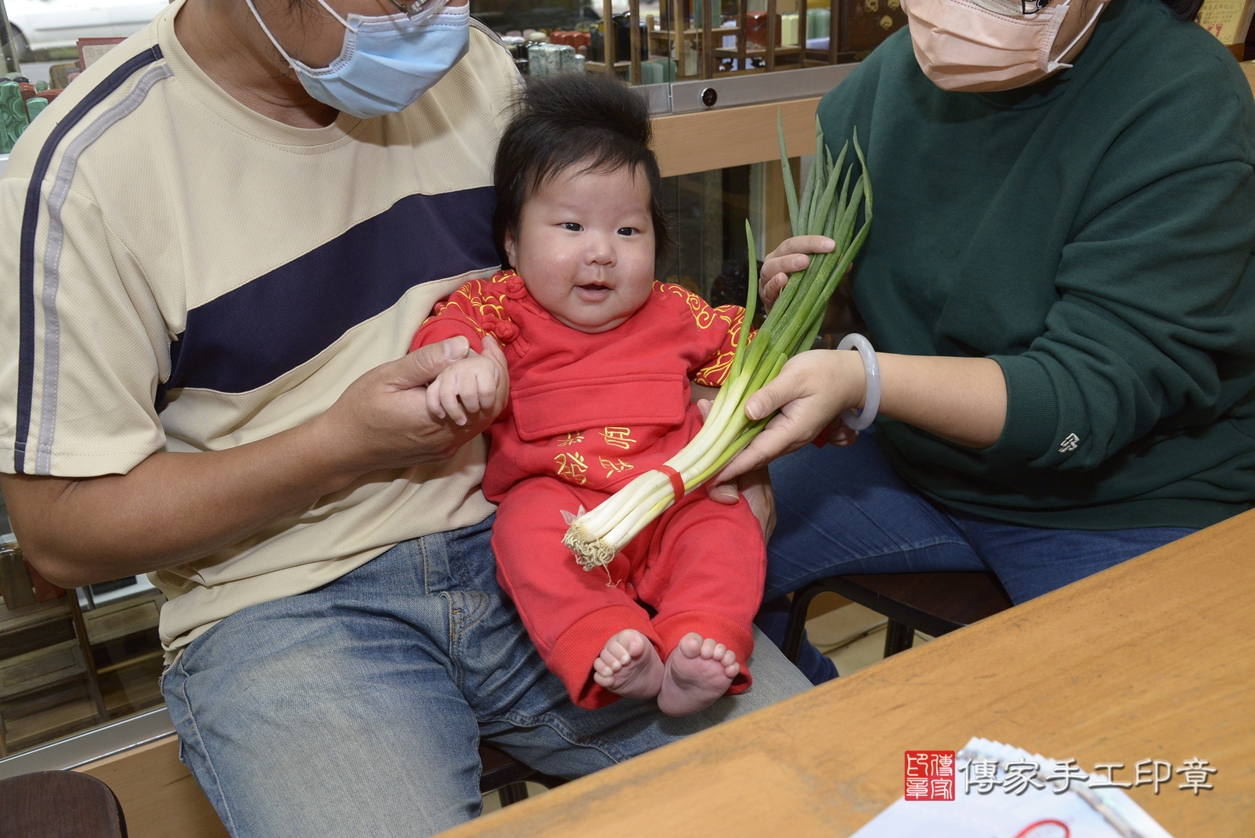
386,62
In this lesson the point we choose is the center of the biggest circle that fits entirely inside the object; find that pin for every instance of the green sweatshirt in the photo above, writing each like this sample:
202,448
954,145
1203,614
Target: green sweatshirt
1093,234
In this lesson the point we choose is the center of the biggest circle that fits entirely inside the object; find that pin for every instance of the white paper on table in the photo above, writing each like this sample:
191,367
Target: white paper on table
1085,812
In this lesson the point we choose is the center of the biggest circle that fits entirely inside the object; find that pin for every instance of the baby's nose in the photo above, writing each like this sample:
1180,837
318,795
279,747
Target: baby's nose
601,250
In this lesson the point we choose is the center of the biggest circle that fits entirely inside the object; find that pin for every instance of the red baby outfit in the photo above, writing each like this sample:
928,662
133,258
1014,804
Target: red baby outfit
587,413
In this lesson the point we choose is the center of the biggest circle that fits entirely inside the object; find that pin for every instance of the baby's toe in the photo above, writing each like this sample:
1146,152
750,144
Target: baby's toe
633,644
691,645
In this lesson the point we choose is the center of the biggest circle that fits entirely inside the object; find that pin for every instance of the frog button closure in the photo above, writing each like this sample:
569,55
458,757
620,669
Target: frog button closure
503,330
514,288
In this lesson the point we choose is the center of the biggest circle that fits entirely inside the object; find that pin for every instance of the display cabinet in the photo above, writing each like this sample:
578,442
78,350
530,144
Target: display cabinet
673,40
48,682
63,669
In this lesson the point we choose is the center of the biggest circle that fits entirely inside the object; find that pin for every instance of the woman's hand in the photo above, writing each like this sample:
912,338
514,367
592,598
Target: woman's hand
811,392
963,400
790,257
755,486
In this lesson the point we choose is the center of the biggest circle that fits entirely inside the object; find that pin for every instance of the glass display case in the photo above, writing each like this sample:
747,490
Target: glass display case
70,660
672,40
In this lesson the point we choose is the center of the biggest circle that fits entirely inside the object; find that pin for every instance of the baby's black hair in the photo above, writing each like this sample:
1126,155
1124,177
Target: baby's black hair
593,121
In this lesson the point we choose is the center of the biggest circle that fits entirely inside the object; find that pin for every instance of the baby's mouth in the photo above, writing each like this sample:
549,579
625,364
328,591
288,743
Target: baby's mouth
592,292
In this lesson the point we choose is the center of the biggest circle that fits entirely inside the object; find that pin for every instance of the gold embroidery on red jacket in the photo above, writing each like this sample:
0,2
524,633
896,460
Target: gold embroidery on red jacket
715,371
476,301
572,467
613,467
618,437
702,312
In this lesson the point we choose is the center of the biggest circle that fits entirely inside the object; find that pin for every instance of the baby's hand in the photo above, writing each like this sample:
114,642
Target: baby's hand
464,387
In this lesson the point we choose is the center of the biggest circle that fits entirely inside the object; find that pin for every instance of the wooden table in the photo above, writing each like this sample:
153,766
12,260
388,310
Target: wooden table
1154,659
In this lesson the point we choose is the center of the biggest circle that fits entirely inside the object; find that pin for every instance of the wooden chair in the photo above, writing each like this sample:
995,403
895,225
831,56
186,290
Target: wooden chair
506,776
933,603
59,804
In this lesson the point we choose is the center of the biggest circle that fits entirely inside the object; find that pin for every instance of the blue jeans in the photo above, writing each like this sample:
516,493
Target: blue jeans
845,510
357,708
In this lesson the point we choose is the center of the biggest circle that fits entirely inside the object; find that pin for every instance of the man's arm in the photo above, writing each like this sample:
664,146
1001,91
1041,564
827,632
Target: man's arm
174,508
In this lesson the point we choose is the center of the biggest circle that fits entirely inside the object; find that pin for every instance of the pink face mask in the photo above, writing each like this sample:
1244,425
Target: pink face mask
984,45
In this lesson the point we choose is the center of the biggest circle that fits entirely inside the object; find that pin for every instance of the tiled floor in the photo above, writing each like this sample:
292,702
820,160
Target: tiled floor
852,636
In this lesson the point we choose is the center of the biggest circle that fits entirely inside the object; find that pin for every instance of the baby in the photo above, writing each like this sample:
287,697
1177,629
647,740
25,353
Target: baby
600,362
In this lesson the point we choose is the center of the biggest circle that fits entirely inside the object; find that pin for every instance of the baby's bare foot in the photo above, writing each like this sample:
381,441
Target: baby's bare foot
629,666
698,671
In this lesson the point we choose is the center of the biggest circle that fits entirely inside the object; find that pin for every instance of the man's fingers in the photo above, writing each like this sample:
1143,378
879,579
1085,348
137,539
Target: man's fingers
420,367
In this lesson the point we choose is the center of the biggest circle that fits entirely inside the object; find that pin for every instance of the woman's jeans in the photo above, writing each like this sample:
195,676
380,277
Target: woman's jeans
845,510
357,709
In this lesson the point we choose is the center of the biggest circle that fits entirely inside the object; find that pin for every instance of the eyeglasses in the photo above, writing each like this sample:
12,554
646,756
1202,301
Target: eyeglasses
1027,7
422,9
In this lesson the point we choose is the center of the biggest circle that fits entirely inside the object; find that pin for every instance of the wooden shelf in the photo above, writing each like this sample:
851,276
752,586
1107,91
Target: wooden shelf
130,662
41,669
755,52
128,654
600,66
132,687
668,34
122,618
49,681
42,718
32,615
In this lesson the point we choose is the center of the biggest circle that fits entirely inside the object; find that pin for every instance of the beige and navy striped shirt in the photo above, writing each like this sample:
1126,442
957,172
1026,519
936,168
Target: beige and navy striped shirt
181,273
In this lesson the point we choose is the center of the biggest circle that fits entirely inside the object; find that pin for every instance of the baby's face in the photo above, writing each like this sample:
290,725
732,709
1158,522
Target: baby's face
585,247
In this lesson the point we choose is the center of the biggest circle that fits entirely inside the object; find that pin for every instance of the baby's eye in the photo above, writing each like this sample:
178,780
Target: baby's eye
628,231
572,226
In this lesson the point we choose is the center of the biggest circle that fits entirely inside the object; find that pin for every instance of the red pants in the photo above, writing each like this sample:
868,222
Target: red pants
699,568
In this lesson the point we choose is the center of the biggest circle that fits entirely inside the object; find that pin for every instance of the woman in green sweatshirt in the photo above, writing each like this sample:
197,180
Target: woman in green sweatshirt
1060,285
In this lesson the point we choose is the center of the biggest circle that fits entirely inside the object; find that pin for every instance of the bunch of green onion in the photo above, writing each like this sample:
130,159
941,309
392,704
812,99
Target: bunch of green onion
829,207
